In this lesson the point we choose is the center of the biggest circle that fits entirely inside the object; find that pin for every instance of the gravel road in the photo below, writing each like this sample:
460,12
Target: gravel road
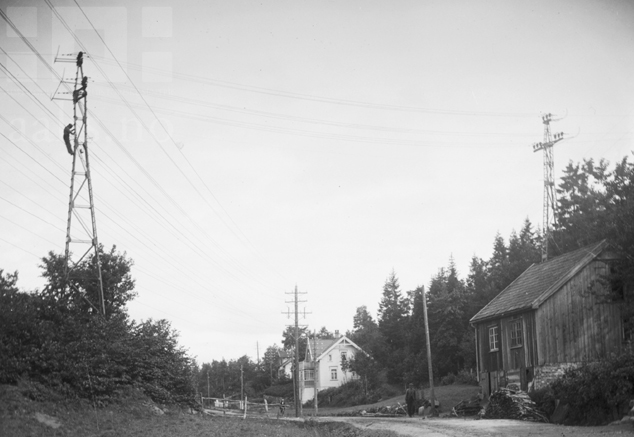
454,427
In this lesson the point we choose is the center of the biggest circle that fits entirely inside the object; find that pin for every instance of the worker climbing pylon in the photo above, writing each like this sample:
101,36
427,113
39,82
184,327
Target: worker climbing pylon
68,131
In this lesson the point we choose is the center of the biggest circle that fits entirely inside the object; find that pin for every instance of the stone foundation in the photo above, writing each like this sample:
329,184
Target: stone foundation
548,373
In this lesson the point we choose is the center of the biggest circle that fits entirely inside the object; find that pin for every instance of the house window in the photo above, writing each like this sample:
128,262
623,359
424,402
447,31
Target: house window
309,375
494,339
516,333
343,356
333,373
329,357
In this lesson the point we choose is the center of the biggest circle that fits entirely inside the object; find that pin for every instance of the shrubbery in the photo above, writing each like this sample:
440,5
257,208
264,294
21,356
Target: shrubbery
284,390
544,398
52,337
348,394
353,393
463,377
597,392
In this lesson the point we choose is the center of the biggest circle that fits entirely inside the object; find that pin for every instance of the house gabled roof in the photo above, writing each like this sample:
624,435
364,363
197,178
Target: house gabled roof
538,283
319,346
341,340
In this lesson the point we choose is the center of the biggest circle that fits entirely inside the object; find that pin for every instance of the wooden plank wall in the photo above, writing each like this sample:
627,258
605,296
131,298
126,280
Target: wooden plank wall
574,324
528,339
492,361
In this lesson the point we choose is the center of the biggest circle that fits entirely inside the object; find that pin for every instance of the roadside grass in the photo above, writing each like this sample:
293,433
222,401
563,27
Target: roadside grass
448,396
133,417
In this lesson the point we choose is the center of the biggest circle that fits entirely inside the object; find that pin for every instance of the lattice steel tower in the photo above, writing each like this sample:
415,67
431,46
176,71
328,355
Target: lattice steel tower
549,180
81,204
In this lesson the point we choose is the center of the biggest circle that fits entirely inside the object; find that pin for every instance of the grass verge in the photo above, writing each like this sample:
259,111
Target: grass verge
22,416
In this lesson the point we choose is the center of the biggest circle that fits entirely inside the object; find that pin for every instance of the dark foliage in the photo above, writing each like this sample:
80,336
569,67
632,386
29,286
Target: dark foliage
55,338
597,392
233,378
545,400
348,394
284,390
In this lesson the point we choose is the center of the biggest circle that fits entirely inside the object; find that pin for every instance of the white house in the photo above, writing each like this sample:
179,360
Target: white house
285,368
322,365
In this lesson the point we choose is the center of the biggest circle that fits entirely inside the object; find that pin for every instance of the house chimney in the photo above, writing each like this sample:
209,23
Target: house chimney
337,333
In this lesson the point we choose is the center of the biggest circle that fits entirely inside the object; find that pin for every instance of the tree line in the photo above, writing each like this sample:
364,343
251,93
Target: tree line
54,336
594,203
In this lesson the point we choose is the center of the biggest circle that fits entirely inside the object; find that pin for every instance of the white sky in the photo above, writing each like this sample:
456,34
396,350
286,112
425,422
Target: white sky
336,141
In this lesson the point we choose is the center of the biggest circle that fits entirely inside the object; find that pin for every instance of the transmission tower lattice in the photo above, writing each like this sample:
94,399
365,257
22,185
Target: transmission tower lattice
549,180
81,204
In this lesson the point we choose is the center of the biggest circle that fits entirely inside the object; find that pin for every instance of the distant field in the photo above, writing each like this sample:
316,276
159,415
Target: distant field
447,395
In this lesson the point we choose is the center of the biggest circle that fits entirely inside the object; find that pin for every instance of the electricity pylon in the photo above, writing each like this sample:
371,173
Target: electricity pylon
549,180
81,204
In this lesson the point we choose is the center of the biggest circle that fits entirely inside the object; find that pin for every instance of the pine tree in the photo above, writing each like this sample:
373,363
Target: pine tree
393,311
393,314
448,320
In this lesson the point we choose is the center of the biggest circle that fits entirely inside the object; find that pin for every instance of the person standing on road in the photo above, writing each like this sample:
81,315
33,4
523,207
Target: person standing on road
410,400
282,407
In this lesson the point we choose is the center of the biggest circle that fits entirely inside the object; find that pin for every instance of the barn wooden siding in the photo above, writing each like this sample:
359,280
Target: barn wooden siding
503,358
575,324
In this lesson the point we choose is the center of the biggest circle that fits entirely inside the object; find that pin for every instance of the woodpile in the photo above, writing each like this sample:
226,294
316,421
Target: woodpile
397,410
513,404
468,407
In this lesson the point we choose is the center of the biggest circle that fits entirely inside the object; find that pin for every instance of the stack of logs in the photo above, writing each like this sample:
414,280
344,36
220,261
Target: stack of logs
513,404
468,407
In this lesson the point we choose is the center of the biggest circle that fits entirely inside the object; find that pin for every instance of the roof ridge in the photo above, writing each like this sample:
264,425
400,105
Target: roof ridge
538,282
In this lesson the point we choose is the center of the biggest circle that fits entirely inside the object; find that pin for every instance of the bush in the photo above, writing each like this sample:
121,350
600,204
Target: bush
466,377
463,377
544,398
597,392
280,390
346,395
58,344
448,379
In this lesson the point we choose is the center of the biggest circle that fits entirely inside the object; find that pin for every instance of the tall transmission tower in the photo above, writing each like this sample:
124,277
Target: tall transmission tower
296,390
549,180
81,204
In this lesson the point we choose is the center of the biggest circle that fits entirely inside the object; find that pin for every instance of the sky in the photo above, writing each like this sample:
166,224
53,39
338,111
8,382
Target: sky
241,149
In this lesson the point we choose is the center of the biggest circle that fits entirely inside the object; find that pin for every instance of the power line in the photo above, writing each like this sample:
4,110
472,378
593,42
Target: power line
162,126
331,100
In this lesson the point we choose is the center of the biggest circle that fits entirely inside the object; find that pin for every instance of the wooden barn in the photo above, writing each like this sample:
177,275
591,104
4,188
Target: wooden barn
554,315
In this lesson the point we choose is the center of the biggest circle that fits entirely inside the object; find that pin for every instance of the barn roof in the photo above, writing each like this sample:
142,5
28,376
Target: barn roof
538,283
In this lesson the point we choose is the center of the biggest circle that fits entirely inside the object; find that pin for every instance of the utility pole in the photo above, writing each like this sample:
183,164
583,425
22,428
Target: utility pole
549,180
208,383
81,201
241,386
315,373
431,371
296,386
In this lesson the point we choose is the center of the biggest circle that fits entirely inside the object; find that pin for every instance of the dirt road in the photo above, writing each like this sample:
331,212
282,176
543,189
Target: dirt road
479,428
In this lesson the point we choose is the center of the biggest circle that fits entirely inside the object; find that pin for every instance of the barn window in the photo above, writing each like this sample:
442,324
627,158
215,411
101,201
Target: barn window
627,329
616,281
516,333
494,339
